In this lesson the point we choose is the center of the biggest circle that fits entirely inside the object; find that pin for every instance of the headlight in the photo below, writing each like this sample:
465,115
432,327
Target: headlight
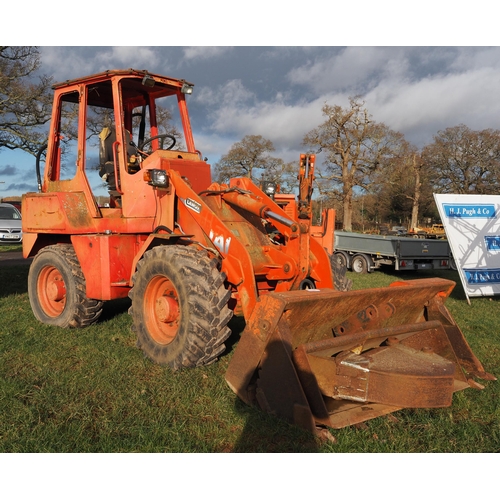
269,188
156,178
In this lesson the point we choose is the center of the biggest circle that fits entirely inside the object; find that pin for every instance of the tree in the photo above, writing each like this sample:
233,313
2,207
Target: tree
416,166
165,126
402,191
465,161
355,147
407,190
249,158
25,102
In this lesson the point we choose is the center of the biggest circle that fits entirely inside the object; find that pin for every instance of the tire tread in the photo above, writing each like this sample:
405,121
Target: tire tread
207,298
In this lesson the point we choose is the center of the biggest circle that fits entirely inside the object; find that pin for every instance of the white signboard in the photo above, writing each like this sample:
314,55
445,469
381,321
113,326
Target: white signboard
472,225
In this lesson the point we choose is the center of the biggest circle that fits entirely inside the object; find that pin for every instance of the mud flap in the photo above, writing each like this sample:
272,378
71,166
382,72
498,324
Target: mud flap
323,357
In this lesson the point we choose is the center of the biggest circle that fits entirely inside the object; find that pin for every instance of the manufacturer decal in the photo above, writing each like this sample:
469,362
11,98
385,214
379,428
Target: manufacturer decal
193,205
220,242
472,211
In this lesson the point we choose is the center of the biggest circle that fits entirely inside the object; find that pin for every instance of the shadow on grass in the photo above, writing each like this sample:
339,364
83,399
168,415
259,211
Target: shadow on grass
236,325
13,280
264,433
113,308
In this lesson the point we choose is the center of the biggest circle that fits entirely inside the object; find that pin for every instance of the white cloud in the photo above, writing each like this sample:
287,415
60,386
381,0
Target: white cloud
204,52
352,68
136,57
212,145
232,91
425,106
472,58
73,62
63,64
285,125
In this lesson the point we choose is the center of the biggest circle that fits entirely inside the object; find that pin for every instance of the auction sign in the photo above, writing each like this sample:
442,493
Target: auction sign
472,226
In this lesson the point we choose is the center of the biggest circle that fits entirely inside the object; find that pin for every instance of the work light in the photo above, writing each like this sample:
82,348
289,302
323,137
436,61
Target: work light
156,177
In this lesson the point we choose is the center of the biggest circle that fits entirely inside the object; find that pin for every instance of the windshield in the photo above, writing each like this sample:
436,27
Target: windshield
9,213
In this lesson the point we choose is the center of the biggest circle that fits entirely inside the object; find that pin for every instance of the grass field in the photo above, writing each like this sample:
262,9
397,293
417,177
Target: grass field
7,247
92,390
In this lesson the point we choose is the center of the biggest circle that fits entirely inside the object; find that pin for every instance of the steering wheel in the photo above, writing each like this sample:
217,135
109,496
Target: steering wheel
162,138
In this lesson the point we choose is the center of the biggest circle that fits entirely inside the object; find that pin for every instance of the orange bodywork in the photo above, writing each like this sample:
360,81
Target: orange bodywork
325,233
235,222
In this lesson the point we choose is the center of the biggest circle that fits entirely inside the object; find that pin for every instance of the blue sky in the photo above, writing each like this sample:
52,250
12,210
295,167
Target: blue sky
277,91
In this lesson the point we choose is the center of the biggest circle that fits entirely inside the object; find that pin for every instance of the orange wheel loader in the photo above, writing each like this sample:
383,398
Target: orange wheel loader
191,253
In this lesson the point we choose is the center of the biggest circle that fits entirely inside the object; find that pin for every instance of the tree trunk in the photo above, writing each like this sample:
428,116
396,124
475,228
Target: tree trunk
347,209
416,196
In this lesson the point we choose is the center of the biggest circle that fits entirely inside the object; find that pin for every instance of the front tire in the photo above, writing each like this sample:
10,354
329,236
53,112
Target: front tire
179,307
57,290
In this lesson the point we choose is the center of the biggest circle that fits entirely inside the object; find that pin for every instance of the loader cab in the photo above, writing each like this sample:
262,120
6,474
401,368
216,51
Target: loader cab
150,128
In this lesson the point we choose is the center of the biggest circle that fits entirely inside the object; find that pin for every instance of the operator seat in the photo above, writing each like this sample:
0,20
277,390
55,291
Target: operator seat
107,138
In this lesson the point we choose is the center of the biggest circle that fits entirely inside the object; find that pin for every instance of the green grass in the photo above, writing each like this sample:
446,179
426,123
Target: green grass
8,247
91,390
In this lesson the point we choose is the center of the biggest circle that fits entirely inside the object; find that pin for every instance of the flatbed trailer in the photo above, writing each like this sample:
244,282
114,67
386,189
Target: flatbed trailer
363,253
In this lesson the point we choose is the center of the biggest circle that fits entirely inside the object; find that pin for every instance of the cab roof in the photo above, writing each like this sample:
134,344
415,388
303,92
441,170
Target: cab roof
139,83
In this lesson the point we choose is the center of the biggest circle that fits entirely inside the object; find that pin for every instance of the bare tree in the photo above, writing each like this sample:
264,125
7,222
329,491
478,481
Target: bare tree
403,189
165,126
355,146
465,161
250,158
25,101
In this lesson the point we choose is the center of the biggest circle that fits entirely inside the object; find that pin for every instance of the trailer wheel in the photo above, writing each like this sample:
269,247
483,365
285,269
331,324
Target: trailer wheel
359,264
180,307
57,291
342,259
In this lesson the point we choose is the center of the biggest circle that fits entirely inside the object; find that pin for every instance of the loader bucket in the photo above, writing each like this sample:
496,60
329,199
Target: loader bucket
329,358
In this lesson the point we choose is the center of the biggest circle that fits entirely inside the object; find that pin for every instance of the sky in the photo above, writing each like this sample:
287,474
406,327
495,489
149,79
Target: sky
277,91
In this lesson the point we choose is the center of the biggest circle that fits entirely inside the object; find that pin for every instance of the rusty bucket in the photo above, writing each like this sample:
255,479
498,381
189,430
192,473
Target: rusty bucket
329,358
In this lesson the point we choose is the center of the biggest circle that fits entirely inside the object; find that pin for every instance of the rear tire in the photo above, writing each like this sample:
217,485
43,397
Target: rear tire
57,290
359,264
453,264
180,307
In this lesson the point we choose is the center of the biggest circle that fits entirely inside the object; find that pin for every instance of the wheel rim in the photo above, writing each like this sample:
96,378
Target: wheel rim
51,291
341,260
357,265
162,312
